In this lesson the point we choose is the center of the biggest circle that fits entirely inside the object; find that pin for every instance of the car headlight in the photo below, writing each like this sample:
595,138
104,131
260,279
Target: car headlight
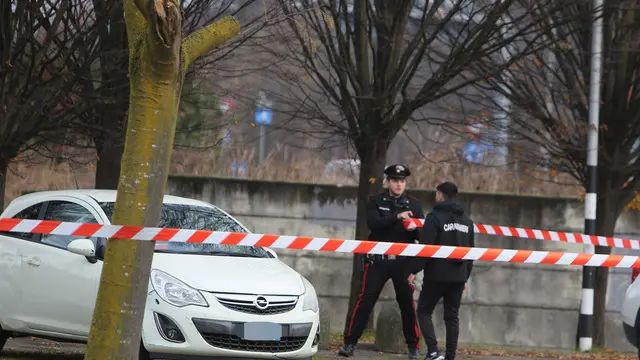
310,297
174,291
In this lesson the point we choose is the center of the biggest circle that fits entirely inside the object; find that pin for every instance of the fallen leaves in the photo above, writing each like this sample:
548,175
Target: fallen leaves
536,353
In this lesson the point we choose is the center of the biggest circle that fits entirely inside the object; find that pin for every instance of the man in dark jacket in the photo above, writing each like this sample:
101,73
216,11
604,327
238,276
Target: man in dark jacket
385,214
443,278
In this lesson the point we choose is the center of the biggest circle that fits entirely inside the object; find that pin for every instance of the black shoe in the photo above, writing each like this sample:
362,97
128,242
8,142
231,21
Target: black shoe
434,356
346,350
414,353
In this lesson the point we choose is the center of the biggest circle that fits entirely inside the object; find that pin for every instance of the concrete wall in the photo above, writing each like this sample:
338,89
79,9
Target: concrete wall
506,304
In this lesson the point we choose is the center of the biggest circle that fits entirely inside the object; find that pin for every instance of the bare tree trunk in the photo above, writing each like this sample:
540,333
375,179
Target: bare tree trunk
4,167
159,57
372,161
109,162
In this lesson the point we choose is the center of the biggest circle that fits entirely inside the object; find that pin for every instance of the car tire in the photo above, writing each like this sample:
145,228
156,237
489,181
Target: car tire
3,338
637,342
144,354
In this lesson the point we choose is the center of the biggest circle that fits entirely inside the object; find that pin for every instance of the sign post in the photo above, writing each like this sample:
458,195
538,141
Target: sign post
263,117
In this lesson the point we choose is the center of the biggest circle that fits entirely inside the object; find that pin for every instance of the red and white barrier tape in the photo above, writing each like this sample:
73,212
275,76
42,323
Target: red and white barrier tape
542,235
314,243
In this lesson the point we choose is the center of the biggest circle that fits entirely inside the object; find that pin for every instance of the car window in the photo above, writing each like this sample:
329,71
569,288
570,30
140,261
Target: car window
67,212
196,217
30,213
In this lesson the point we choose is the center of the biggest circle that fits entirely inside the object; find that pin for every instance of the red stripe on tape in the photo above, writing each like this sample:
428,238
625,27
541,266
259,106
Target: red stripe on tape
563,237
530,233
199,236
87,230
481,228
428,250
127,232
267,240
460,252
581,259
46,227
552,258
300,242
578,238
364,247
612,260
165,234
490,254
9,224
396,249
521,255
233,239
332,245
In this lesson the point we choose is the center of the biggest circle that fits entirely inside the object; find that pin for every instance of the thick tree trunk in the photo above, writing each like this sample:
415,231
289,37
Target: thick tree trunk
158,58
4,169
109,162
372,161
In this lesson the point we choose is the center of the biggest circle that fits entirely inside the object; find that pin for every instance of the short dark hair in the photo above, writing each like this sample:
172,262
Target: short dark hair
448,189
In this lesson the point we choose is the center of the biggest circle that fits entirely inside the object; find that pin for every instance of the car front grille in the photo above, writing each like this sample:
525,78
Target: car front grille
233,342
249,308
246,303
229,335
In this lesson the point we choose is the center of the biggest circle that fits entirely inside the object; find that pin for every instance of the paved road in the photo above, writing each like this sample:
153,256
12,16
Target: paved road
36,349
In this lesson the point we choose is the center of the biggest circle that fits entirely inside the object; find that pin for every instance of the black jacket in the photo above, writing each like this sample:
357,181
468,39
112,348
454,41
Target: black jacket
446,225
382,220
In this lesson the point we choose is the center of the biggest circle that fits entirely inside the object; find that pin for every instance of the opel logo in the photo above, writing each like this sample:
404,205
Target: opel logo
261,302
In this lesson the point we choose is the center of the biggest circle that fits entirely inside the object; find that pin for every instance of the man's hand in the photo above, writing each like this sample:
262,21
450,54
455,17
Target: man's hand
411,278
405,215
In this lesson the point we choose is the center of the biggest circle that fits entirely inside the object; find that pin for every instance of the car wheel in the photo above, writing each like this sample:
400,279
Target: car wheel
3,338
637,342
144,354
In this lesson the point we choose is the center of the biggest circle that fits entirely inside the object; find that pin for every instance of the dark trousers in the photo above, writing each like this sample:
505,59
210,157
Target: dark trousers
376,275
451,295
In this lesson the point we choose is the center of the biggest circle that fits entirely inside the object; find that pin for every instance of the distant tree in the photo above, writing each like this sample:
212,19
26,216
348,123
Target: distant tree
549,108
42,47
99,118
361,69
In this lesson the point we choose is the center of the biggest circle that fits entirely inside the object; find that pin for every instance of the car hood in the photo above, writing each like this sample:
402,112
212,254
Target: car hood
228,274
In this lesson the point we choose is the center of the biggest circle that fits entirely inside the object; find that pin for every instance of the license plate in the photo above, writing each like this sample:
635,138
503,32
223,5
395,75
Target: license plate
262,331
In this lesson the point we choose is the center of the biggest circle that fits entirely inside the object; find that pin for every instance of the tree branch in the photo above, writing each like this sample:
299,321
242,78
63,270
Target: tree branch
208,38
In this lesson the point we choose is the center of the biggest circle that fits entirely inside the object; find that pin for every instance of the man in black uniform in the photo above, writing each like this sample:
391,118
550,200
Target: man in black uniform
385,214
443,278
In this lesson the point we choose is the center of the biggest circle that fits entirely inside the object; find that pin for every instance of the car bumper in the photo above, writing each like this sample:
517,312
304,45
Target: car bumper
217,332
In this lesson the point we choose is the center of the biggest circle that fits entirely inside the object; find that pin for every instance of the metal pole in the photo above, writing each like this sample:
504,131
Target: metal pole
588,274
262,140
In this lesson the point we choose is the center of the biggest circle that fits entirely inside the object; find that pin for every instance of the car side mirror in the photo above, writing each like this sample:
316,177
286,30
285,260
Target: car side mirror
83,247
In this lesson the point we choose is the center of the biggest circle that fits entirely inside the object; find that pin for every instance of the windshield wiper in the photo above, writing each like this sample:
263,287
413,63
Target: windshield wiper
230,254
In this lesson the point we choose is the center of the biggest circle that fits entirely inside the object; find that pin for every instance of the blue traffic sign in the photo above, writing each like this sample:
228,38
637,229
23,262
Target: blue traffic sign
263,115
475,152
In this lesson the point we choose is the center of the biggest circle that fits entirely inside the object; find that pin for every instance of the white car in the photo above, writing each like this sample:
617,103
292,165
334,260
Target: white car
631,311
204,300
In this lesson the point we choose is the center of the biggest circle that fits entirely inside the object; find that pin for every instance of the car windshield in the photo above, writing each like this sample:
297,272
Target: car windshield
196,217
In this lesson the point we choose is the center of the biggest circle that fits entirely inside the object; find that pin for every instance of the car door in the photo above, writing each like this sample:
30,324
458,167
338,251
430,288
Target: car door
11,246
60,288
